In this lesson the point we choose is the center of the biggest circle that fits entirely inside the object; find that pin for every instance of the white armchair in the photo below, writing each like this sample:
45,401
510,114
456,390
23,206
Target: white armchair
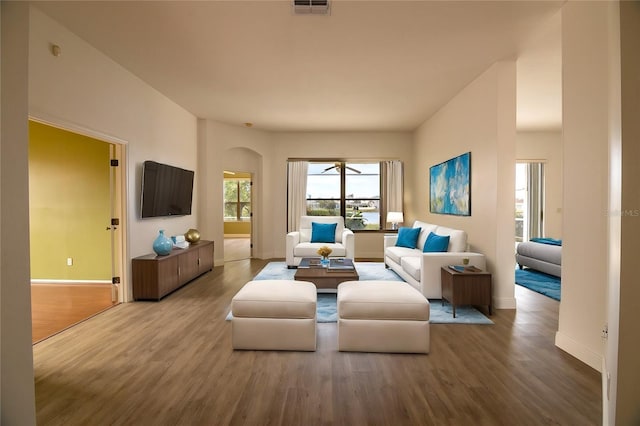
299,245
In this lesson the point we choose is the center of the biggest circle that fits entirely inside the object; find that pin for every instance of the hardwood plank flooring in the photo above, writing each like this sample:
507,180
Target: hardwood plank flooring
237,248
171,363
55,307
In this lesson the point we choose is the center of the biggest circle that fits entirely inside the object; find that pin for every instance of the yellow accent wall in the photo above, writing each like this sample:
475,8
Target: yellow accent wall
237,228
69,205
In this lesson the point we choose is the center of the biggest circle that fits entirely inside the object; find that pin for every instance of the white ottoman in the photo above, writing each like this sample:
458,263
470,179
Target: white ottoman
382,316
274,315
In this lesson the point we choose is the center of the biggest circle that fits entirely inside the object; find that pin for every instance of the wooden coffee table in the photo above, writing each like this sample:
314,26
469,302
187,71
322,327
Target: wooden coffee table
323,277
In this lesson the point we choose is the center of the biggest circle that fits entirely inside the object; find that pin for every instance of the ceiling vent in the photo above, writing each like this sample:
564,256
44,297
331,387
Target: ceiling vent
311,7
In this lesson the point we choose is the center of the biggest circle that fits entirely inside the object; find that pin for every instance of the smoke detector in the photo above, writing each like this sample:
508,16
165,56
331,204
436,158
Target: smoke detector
311,7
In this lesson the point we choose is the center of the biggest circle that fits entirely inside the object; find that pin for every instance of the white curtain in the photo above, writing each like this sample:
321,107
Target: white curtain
296,193
393,186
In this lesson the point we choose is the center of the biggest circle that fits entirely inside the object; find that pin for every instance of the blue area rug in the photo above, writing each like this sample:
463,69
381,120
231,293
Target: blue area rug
325,308
438,314
539,282
326,311
326,305
366,271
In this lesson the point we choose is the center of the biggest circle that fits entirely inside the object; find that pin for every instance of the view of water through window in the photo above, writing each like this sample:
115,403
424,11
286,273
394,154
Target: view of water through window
360,198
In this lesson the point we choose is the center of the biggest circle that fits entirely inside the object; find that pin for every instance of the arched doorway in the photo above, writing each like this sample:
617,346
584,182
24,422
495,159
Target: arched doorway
241,219
238,212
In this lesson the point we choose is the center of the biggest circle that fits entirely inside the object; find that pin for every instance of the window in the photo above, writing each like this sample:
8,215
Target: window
237,199
347,189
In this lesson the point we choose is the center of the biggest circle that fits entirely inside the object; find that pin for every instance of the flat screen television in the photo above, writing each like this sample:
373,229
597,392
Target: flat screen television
166,190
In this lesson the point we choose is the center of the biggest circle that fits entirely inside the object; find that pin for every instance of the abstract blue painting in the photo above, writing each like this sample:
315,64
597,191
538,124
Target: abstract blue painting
450,186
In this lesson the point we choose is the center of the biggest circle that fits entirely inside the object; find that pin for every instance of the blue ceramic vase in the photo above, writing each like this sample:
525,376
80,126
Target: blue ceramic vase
162,244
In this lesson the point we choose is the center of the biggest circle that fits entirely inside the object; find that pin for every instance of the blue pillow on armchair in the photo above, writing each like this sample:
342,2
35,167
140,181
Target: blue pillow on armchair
436,243
408,237
323,232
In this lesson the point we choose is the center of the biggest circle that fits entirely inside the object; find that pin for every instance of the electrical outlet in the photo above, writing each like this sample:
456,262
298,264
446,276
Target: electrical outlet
69,261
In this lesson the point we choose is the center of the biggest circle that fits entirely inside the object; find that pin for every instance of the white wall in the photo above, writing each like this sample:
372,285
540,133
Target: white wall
480,119
546,146
87,90
585,164
225,147
270,186
17,393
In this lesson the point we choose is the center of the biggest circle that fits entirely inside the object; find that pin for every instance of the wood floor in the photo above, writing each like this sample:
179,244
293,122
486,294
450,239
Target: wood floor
55,307
171,363
237,249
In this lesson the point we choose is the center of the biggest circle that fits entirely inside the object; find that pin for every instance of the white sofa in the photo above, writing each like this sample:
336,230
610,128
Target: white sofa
422,270
299,245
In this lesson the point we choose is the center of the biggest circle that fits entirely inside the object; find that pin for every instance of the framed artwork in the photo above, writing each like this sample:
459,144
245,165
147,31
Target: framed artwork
450,186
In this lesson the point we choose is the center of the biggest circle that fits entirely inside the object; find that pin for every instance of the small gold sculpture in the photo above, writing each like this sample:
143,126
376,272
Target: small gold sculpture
192,235
324,251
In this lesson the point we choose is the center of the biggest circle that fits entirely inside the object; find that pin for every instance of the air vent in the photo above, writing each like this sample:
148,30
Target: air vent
307,7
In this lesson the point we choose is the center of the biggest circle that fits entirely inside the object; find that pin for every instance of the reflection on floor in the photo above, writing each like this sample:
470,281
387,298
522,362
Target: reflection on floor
237,249
55,307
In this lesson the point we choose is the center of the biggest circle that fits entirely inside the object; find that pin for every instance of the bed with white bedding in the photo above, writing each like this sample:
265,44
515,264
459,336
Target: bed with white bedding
541,254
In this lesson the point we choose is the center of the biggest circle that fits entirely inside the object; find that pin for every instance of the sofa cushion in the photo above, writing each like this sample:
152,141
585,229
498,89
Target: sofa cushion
397,253
424,233
381,300
457,238
311,249
323,232
408,237
436,243
412,265
275,299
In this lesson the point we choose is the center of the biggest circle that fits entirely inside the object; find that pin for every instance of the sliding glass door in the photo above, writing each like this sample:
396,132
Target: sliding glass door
529,209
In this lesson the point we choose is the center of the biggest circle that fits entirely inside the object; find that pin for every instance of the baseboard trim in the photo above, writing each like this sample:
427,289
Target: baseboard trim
606,394
45,281
578,350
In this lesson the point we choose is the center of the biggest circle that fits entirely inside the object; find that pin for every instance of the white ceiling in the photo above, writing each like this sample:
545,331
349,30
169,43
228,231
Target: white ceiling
369,65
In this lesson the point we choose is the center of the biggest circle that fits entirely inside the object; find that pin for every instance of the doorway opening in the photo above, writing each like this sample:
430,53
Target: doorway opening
76,227
238,215
529,216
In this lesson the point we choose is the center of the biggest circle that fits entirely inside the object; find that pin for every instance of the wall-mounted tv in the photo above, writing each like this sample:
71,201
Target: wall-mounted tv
166,190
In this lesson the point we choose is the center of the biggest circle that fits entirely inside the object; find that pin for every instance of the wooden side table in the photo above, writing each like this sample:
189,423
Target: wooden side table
466,288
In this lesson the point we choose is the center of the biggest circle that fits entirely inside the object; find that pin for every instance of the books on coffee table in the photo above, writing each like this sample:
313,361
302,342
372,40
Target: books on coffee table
341,265
463,268
310,262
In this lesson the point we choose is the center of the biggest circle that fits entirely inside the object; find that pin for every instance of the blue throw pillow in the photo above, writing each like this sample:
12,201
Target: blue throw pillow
323,232
436,243
408,237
